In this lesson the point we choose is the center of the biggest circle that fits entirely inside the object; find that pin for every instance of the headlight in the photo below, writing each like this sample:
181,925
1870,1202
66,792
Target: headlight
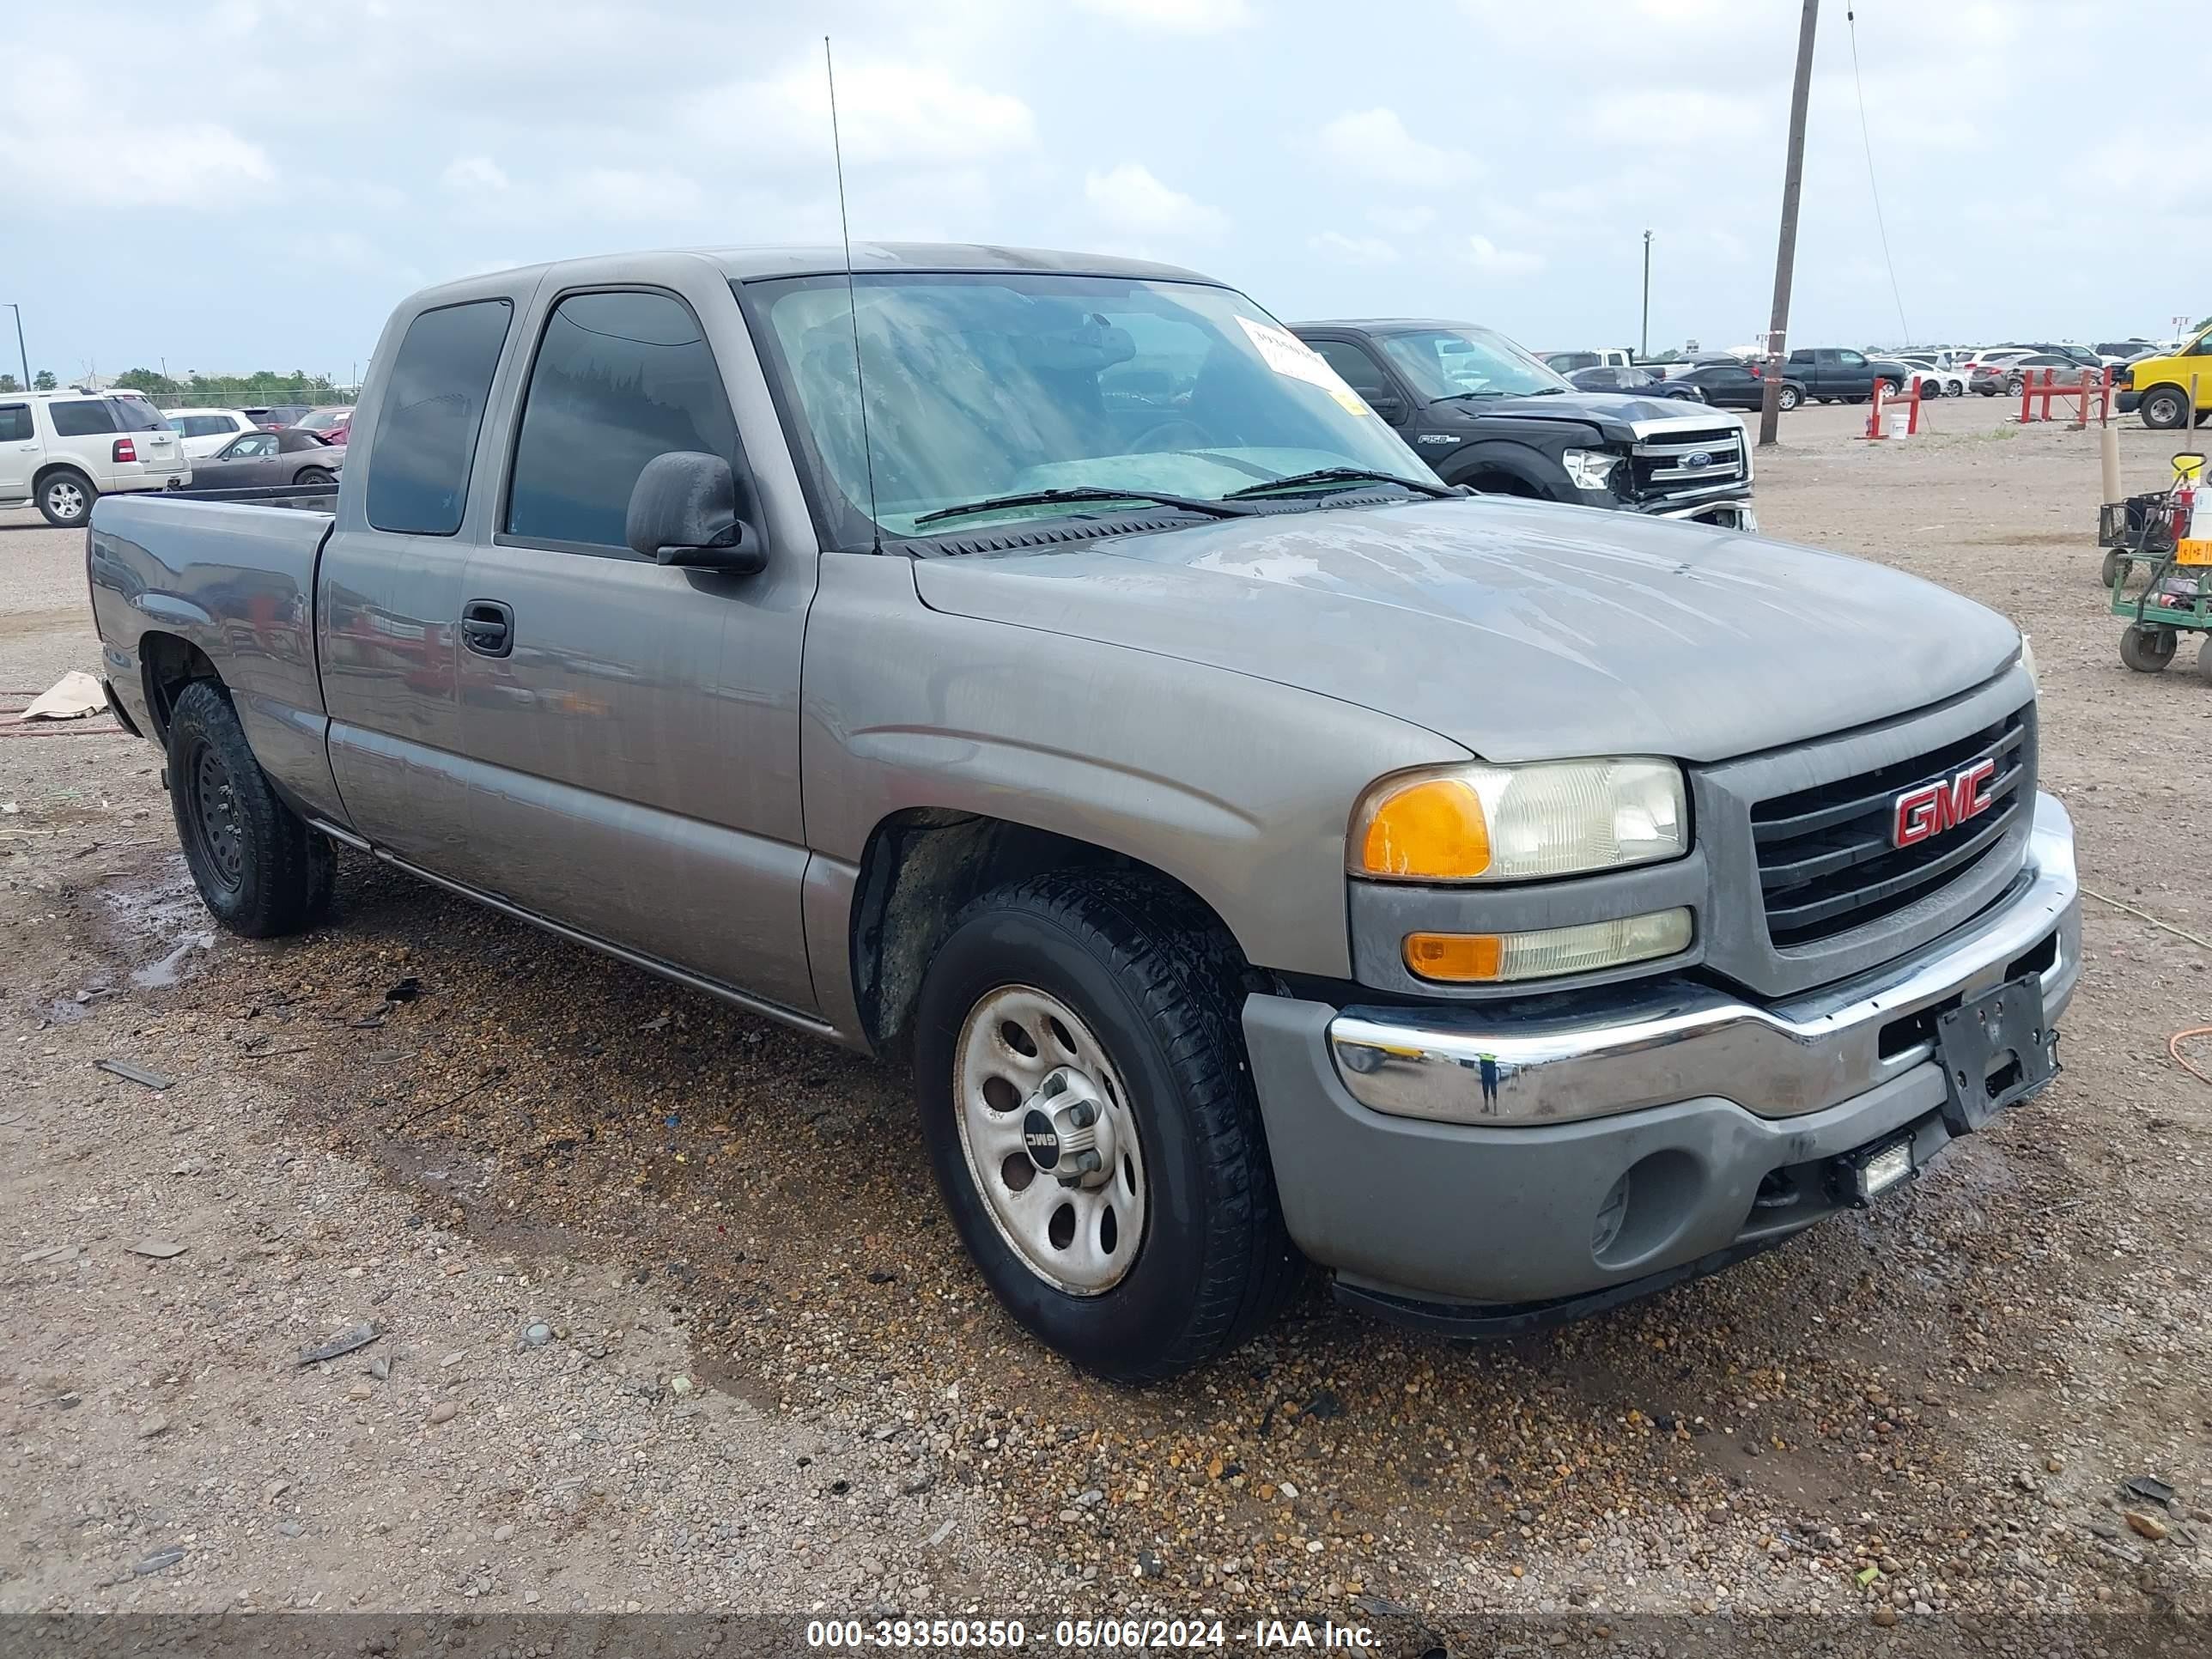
1591,469
1520,822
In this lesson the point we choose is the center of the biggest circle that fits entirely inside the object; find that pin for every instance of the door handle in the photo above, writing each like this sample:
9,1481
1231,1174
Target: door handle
488,627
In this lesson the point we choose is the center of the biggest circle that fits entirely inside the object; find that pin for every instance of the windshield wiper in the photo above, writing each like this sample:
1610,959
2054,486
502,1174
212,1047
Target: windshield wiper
1340,475
1081,493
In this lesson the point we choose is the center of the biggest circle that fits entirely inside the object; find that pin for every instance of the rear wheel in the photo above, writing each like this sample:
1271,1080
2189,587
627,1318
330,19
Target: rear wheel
65,499
2204,659
259,869
2112,567
2146,649
1091,1124
314,475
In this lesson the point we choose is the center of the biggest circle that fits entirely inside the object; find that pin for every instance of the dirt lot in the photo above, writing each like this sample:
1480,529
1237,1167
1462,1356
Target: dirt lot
670,1316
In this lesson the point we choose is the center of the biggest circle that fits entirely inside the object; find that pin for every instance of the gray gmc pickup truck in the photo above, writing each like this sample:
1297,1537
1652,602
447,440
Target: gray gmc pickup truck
1046,670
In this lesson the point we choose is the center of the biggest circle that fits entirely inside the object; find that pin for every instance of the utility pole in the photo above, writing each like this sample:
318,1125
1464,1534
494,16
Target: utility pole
1645,349
20,352
1785,254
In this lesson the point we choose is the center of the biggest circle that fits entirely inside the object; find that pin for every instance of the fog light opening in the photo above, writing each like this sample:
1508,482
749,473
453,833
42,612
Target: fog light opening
1647,1208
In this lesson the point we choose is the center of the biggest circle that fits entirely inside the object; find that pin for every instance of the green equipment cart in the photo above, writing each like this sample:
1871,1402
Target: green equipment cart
2149,543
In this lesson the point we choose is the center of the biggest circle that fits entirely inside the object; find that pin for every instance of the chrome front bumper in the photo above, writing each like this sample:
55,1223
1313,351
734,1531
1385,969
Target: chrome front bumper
1684,1040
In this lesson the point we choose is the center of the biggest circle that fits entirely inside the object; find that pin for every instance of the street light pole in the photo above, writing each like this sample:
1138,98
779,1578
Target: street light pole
1786,252
1644,350
20,352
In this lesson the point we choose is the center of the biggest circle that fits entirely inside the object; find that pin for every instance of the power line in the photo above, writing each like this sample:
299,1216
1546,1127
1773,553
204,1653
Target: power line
1851,28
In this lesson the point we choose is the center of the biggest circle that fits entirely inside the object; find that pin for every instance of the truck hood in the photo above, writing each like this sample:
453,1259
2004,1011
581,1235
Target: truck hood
1522,629
1617,414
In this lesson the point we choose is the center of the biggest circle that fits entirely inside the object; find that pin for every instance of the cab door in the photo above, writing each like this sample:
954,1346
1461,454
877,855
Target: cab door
1853,374
631,728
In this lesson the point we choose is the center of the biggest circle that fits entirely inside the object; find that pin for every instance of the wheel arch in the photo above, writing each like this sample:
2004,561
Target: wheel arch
1533,476
168,663
921,866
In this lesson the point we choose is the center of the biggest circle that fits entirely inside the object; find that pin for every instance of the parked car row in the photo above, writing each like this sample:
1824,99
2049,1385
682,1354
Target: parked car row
61,451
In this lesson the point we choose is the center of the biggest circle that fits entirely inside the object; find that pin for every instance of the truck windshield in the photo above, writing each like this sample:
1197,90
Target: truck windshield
1469,362
988,385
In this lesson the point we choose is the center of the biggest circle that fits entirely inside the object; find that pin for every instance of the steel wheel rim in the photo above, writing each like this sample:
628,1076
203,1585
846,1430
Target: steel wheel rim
66,498
213,815
1081,1240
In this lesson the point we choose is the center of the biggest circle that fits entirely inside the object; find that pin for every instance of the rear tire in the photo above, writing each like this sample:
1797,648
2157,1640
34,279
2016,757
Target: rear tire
2146,649
2112,567
314,475
1155,992
2204,659
65,498
260,870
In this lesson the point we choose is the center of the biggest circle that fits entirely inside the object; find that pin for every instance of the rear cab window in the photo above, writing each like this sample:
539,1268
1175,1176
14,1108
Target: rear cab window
433,412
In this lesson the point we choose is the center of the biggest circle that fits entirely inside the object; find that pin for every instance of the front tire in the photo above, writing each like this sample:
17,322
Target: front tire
1787,397
1081,1013
2148,649
2165,409
260,870
65,499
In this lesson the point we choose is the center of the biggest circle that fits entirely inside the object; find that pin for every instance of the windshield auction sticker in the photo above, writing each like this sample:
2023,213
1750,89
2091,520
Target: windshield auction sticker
1286,353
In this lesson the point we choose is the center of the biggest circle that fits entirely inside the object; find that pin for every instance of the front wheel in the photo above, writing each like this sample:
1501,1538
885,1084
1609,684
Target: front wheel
1885,385
2112,567
260,870
1787,397
65,499
2146,649
2165,409
1091,1123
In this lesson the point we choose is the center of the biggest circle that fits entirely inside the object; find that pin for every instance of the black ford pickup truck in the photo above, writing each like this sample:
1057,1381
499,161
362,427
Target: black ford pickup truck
1482,411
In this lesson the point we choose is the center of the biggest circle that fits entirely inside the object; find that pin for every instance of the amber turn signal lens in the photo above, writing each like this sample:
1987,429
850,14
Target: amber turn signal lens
1431,828
1463,956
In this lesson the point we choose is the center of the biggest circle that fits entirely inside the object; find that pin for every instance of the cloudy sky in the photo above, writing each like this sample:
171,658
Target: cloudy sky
252,185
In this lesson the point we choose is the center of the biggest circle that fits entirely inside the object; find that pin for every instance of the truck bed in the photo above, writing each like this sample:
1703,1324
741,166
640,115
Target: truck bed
234,580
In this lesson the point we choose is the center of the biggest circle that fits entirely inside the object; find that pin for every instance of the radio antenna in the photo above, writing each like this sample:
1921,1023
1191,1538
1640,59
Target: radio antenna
851,300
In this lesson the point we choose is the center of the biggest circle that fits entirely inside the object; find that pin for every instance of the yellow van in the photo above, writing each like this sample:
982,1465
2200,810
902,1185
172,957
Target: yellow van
2159,387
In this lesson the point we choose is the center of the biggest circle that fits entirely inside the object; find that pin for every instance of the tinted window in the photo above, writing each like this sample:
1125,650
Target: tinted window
1565,362
83,418
1852,359
1359,370
203,426
1719,376
15,424
434,406
136,415
620,378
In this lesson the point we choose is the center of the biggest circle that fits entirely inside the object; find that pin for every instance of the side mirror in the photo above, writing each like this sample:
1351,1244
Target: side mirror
684,511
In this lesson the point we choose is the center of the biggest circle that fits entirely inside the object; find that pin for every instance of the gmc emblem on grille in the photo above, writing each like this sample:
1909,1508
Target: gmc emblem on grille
1943,805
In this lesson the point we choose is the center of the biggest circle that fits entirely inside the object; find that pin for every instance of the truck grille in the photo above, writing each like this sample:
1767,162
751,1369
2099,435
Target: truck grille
1671,465
1826,863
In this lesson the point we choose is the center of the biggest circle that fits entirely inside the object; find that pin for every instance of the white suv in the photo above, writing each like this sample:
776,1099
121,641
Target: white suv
206,430
62,449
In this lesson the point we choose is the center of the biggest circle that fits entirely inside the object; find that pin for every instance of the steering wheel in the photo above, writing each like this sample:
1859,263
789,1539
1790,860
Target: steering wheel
1169,434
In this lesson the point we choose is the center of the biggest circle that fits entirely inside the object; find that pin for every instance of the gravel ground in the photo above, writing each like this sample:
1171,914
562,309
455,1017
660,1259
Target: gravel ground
670,1318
